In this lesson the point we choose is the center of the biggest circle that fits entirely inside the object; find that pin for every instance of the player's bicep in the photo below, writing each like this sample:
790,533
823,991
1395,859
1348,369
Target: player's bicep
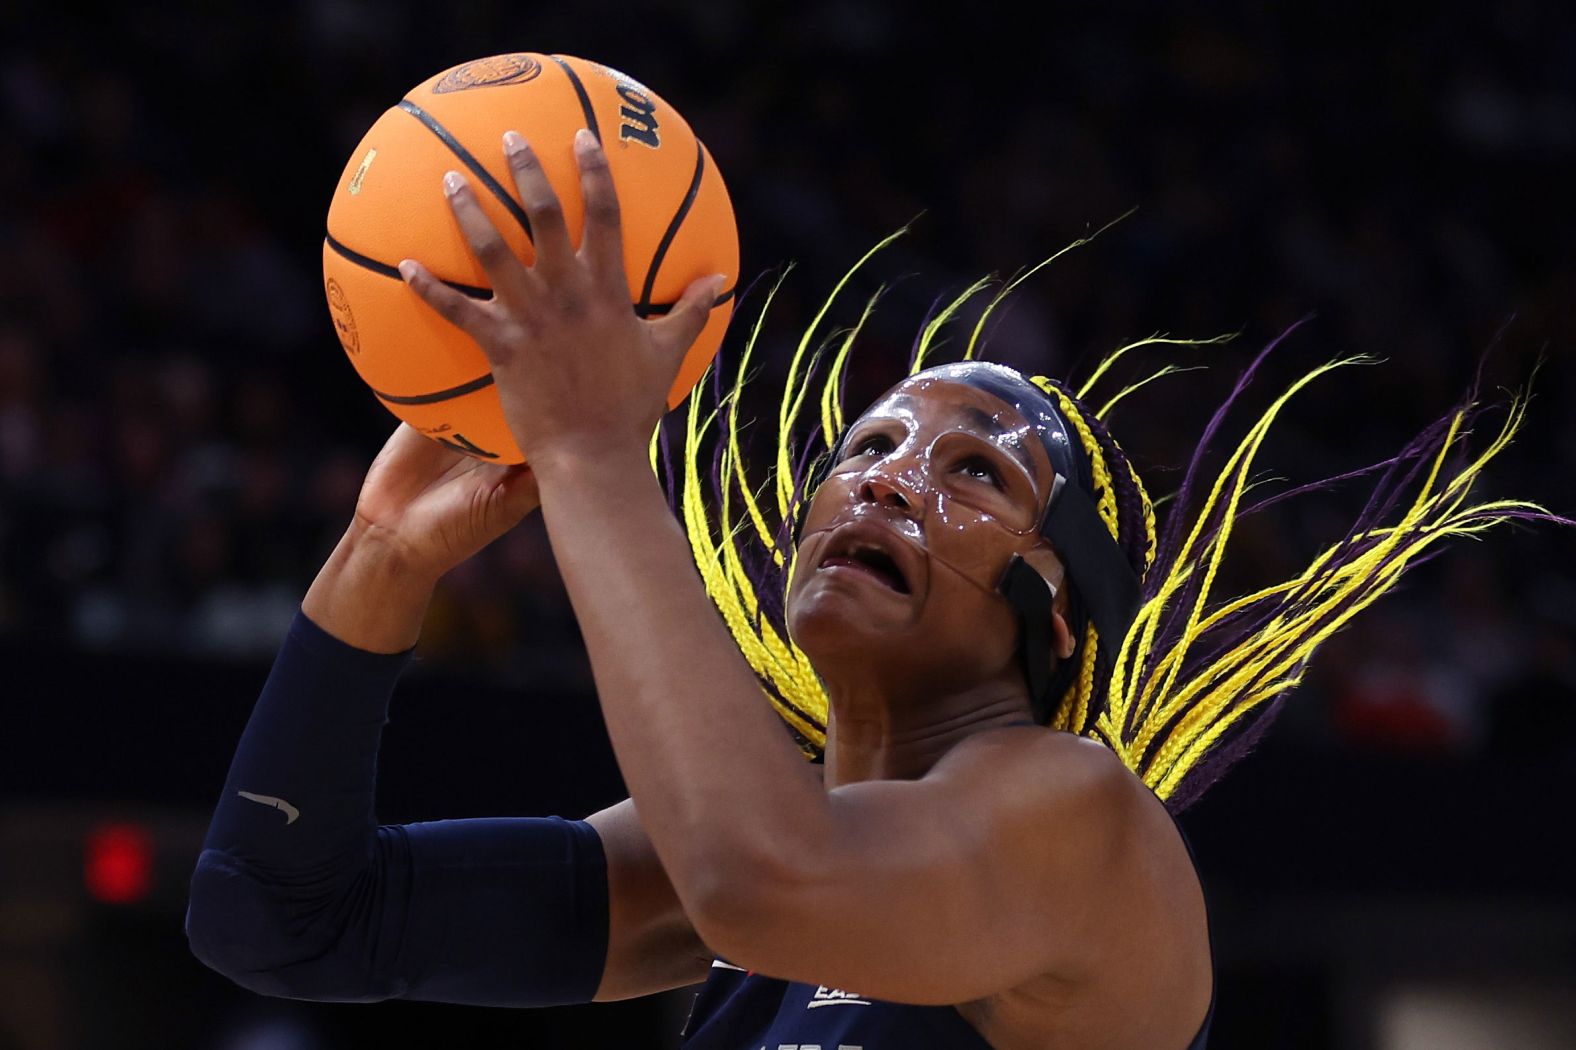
652,946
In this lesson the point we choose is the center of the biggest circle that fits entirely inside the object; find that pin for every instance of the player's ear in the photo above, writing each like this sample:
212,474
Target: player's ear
1050,567
1062,643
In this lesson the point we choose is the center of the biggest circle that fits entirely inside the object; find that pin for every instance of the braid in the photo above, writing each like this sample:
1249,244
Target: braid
1136,515
1073,412
1083,691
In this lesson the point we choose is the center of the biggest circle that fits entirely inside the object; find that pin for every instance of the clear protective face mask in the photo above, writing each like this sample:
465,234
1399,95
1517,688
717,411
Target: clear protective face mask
959,491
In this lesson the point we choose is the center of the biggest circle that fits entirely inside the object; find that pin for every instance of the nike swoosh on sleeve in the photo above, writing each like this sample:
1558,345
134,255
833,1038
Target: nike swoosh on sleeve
290,812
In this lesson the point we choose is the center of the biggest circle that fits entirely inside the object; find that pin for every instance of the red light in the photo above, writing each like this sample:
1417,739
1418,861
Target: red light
117,863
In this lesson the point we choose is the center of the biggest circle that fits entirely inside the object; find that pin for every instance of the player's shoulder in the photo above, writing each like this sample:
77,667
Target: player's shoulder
1078,783
1021,779
1036,754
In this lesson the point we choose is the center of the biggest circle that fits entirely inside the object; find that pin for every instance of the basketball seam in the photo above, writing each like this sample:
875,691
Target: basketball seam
586,108
482,382
662,309
496,188
368,263
479,383
474,292
673,227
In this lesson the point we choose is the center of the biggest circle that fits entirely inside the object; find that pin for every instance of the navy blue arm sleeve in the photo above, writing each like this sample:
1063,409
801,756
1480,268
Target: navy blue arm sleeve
299,893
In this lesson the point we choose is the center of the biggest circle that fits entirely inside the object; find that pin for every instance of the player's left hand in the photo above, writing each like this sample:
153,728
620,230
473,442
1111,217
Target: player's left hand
578,373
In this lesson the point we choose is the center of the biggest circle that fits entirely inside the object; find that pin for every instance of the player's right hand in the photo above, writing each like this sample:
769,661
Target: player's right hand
435,507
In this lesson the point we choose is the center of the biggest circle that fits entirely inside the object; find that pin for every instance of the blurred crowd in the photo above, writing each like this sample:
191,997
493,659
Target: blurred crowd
181,438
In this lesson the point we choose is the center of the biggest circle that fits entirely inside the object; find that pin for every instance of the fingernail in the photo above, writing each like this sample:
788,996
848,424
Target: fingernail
453,183
718,283
407,269
585,141
513,142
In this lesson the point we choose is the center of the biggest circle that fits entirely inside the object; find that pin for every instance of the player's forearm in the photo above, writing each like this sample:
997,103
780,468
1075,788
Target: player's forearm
367,596
293,826
300,786
717,780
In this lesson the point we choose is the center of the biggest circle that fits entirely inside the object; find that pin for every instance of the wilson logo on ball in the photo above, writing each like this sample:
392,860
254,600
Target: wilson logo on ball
489,72
637,117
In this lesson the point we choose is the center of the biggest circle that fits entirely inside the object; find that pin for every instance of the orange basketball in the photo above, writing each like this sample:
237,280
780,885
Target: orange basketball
389,205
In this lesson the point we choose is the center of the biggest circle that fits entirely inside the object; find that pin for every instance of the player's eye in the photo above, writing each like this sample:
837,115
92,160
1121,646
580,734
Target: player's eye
872,445
981,469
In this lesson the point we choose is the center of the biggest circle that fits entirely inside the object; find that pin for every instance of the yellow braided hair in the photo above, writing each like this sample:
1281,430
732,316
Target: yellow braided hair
1179,697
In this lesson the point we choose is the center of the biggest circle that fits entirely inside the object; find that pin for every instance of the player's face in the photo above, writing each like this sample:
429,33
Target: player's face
938,485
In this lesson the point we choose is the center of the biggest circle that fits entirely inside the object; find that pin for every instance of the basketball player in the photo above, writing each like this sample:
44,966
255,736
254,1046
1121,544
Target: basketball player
984,642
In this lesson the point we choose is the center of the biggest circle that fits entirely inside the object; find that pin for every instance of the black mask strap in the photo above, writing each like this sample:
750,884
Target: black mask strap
1031,596
1105,590
1099,570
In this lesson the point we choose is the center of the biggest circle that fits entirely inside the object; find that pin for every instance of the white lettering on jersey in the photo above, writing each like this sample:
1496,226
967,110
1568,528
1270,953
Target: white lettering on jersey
825,996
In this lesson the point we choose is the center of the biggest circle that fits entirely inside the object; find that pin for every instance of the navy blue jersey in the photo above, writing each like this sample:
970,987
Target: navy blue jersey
738,1010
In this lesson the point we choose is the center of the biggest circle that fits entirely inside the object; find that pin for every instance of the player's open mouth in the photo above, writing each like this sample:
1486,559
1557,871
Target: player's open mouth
855,548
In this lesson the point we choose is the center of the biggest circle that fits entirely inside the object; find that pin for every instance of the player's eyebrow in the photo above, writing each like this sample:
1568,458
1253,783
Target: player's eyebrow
1004,436
993,427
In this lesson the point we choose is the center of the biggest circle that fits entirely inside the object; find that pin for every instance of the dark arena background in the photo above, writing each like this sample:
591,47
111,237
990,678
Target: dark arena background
182,438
